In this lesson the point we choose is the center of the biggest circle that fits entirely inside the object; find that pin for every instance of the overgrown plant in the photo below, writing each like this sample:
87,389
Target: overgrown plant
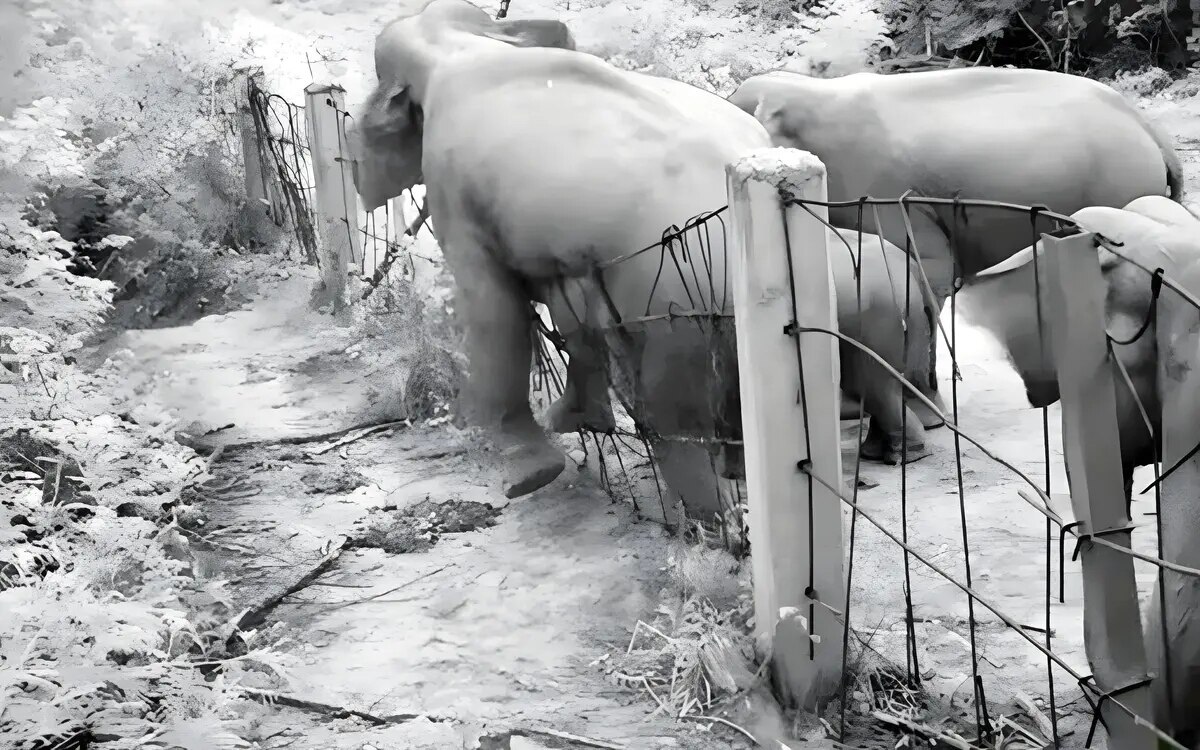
132,134
697,654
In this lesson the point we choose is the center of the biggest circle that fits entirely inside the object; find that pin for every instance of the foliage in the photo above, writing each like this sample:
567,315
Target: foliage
103,629
105,632
1097,38
698,652
131,133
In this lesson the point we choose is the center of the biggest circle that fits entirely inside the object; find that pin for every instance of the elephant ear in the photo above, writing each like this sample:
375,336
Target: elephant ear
535,32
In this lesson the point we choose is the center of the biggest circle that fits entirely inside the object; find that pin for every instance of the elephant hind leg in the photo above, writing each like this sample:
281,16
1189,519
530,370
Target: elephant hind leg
891,437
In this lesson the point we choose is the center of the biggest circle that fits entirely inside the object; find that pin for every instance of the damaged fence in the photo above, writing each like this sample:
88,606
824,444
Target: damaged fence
784,244
299,167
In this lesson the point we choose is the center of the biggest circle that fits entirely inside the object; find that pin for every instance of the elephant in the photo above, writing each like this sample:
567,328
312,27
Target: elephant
1157,233
545,169
1027,137
886,283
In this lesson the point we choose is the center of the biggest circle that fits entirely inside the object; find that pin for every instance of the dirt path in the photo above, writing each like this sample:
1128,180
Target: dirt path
463,615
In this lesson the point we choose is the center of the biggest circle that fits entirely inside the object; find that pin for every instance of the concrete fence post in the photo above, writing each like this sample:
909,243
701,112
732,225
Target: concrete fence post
336,199
1112,626
800,627
261,182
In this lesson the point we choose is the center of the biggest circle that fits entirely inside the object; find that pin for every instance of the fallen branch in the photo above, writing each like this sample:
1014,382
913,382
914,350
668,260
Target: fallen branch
392,590
301,439
255,616
719,720
577,739
335,712
351,437
1043,724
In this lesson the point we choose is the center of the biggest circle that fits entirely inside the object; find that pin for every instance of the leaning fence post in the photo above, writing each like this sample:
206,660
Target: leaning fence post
1112,626
336,198
798,625
256,188
1178,340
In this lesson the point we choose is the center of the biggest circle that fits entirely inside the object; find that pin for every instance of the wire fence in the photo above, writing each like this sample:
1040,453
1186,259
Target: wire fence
285,164
382,237
687,297
383,234
681,296
954,214
667,327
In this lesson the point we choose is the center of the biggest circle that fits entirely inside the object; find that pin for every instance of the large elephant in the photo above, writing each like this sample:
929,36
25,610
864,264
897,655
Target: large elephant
541,165
1027,137
1157,233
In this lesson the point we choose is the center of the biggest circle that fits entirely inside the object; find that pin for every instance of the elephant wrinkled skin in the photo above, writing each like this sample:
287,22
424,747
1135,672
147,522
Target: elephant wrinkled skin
1027,137
540,163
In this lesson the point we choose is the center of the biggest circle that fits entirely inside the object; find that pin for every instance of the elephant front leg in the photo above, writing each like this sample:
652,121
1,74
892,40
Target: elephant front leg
499,343
928,386
585,403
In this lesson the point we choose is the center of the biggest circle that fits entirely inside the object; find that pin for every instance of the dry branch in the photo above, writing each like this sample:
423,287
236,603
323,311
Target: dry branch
335,712
302,439
256,615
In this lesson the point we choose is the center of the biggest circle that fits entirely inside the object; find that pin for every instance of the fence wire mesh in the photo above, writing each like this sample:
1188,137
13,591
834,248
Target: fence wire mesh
675,293
286,166
384,235
285,158
991,728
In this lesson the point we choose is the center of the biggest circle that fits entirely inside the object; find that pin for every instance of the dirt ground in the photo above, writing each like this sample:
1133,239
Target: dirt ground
477,618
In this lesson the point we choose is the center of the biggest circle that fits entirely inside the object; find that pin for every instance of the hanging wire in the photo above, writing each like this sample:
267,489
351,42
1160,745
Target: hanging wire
787,247
910,630
983,725
857,261
1045,410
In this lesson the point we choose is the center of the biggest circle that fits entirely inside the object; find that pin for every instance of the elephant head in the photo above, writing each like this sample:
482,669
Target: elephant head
387,142
1153,230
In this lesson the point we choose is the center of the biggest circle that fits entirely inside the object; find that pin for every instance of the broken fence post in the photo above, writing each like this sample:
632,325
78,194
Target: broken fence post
803,635
1112,624
1178,341
336,198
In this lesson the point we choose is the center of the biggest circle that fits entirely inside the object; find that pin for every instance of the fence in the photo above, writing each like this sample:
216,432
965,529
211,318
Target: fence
298,166
778,202
785,413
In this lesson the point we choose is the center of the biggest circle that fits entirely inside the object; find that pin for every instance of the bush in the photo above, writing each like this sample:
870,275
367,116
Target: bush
1098,39
133,134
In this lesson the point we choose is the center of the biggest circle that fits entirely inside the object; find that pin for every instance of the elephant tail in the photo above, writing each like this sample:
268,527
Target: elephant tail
1170,159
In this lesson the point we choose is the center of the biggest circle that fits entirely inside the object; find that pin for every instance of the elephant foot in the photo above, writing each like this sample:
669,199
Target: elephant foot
881,448
929,419
563,417
530,466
